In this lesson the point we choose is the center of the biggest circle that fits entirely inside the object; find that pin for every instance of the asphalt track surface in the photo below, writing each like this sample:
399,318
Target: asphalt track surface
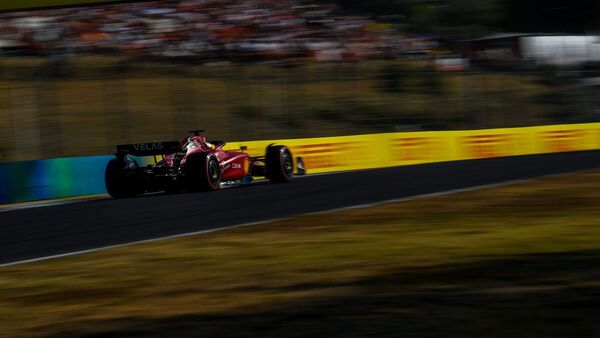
56,230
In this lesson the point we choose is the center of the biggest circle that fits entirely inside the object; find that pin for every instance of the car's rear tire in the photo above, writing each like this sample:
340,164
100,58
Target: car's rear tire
121,182
202,172
279,164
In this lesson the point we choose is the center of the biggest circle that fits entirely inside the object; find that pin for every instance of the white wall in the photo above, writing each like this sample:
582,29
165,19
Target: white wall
561,50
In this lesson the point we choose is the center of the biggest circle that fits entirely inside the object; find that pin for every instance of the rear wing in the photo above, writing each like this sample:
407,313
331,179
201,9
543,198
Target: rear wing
149,149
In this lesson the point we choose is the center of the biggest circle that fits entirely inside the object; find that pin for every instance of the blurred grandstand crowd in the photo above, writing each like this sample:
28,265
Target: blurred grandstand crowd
236,30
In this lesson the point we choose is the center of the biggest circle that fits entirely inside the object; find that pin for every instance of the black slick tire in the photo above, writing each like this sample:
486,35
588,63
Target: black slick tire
279,164
202,172
120,183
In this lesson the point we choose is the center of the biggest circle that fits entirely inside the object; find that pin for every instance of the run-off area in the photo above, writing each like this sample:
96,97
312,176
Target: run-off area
516,260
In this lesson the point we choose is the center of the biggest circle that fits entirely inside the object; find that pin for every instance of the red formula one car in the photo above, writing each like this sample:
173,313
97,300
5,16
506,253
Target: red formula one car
194,164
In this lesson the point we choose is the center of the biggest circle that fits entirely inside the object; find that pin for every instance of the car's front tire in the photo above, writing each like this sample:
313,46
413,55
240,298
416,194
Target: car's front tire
279,164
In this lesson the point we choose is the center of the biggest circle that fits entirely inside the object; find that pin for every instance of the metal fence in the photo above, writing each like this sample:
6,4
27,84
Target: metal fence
85,106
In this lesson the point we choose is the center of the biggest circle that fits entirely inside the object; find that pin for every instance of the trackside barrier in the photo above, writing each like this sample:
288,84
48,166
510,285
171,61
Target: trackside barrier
80,176
330,154
54,178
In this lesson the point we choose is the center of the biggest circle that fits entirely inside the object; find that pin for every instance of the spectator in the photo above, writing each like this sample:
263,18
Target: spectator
200,29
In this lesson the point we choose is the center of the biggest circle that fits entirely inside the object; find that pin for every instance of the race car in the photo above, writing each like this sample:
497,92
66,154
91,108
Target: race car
194,164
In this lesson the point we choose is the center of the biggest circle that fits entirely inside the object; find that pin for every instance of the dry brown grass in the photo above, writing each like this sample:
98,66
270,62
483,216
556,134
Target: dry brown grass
102,101
517,260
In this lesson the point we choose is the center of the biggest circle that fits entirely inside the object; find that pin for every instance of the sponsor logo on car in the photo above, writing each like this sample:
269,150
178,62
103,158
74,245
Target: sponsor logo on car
148,146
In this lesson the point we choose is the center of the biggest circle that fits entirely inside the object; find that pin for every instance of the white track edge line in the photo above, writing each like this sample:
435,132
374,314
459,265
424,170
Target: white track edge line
358,206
